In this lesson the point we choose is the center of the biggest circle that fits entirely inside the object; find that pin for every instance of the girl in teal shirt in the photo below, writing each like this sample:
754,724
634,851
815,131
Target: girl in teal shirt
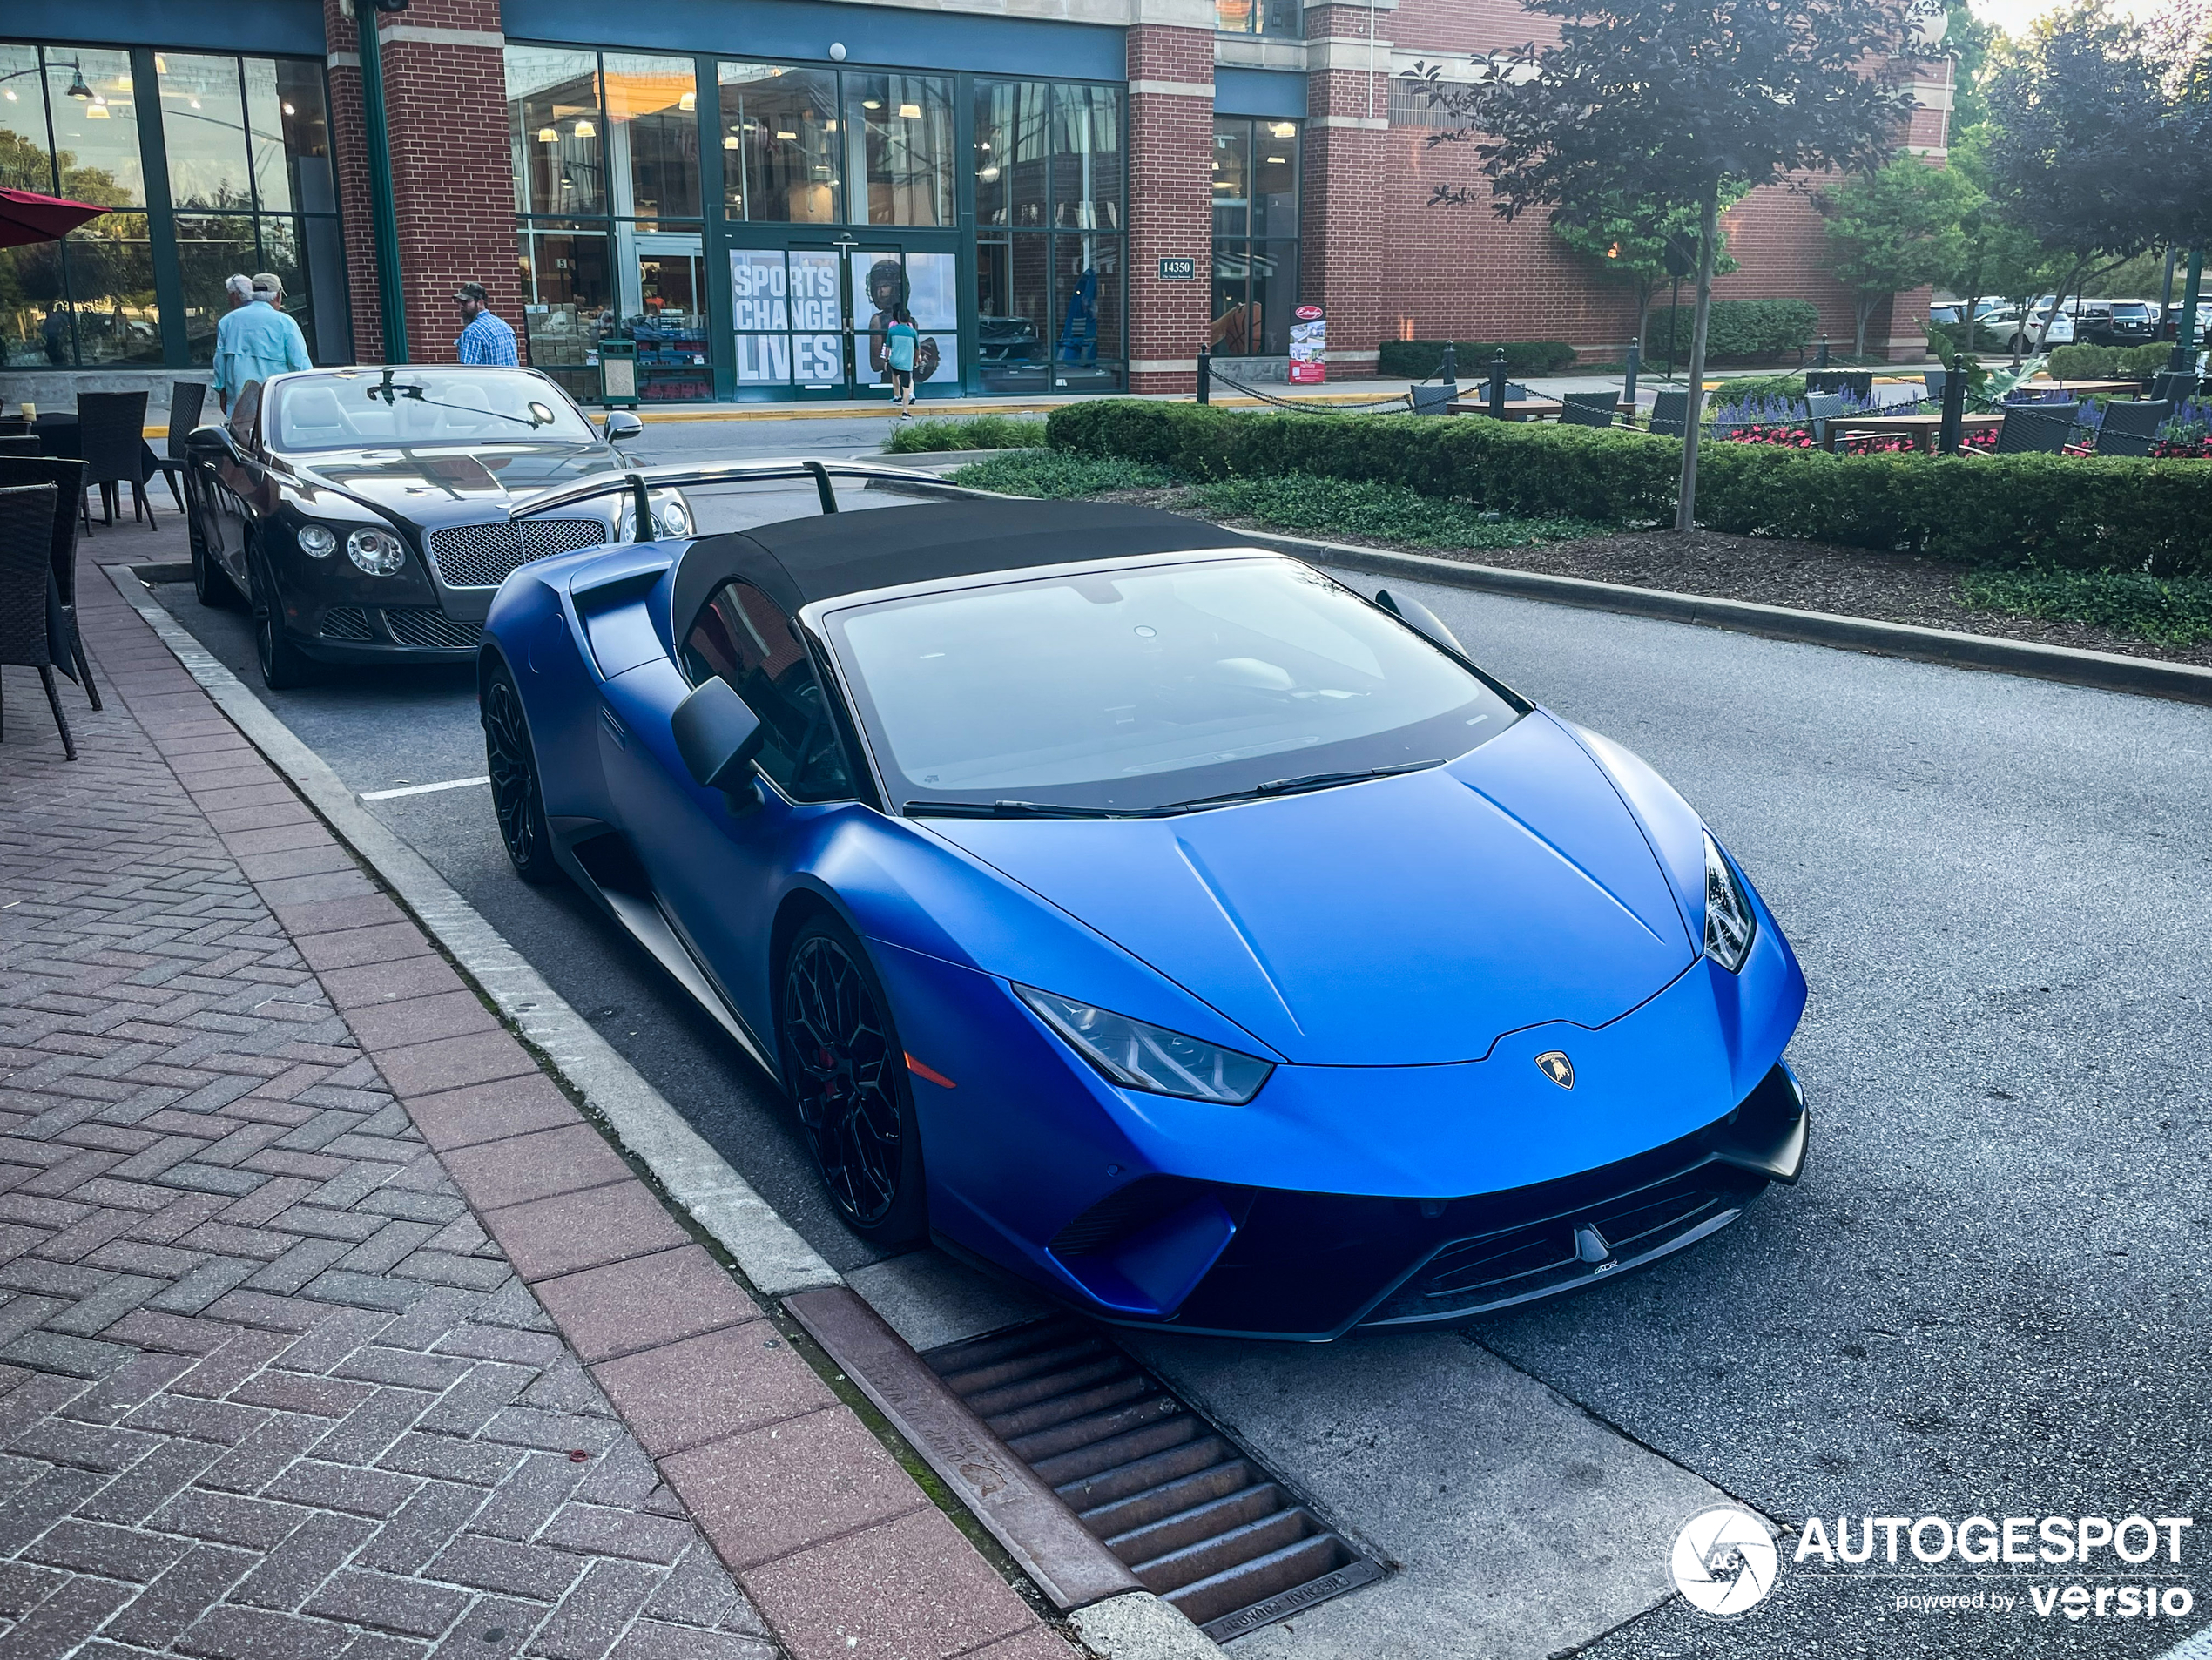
899,340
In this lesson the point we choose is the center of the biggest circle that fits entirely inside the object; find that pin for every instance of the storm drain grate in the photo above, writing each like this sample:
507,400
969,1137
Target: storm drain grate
1198,1522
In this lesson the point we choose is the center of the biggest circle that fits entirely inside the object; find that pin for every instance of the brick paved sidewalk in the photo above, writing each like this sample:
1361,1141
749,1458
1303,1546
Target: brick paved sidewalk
317,1291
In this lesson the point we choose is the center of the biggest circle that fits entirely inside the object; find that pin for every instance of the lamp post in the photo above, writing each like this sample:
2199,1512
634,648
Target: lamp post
390,301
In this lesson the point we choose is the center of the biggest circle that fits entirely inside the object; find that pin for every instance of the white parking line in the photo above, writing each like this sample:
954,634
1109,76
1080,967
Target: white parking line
423,789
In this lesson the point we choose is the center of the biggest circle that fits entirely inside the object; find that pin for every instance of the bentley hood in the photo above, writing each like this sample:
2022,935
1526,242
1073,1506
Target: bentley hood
1410,921
444,485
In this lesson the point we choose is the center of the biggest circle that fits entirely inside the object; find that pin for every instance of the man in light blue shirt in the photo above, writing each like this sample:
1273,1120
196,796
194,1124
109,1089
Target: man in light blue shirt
263,341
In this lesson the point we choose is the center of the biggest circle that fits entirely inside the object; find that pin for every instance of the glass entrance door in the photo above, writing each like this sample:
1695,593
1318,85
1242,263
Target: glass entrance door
809,318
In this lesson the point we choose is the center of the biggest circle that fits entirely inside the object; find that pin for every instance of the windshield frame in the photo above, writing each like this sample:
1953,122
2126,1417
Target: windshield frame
364,381
818,618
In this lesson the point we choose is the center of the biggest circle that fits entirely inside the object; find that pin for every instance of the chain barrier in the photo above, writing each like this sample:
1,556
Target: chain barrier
1399,399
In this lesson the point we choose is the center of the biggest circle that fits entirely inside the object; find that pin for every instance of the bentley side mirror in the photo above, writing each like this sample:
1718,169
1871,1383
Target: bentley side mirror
622,424
212,444
1420,619
717,737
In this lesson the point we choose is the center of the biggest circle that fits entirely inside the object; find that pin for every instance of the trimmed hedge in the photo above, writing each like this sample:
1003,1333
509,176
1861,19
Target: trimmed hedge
1416,360
2085,513
2108,362
1737,328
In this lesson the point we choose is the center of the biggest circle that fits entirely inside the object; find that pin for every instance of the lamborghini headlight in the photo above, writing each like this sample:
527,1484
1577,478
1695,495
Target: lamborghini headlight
1728,922
1138,1056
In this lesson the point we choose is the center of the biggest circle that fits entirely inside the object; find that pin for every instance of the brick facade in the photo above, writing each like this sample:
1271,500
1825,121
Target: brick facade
1170,201
1346,256
445,95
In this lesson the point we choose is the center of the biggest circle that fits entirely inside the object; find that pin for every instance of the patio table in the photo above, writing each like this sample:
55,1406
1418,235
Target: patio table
1923,430
2087,389
1516,408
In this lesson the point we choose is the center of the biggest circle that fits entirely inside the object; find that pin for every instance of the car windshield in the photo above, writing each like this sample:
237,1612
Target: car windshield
1136,689
375,409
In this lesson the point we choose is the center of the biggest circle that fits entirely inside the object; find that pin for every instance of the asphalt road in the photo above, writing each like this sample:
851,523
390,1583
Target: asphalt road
1988,1295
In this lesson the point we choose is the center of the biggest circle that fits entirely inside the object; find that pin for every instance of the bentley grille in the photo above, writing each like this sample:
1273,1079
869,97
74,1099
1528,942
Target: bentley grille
427,626
480,555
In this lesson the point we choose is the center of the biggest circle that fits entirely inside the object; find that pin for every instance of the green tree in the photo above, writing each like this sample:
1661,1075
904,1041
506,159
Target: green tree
1683,101
1626,242
1893,230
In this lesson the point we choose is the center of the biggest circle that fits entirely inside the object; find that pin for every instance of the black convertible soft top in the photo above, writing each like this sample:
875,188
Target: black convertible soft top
802,560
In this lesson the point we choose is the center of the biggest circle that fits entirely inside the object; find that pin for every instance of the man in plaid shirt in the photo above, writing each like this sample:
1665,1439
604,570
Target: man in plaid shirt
483,337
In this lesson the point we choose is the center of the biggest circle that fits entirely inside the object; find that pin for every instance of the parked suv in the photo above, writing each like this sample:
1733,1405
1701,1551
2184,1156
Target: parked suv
2114,322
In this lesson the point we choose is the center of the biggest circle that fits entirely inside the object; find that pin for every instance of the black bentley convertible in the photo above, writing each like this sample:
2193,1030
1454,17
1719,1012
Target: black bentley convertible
362,513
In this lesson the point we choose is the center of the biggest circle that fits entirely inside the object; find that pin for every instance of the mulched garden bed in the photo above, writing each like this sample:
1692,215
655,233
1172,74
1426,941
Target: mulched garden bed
1809,576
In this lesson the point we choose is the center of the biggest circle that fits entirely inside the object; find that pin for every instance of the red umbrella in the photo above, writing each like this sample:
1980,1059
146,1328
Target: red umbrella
27,216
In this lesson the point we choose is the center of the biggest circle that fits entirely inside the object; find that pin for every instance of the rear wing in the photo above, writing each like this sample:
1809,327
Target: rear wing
639,483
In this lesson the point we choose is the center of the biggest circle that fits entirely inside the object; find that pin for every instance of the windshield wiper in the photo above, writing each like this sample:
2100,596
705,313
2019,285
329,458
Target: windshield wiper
1005,810
388,390
1297,786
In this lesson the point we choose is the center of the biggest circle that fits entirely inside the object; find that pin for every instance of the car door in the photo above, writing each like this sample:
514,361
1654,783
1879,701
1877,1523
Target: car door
718,869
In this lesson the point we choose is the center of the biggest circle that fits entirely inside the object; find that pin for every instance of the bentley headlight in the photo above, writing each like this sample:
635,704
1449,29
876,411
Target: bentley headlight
671,519
318,540
1139,1056
1728,922
378,552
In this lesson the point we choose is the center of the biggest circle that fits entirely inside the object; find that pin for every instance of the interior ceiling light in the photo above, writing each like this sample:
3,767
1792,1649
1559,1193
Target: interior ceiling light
989,174
1277,160
10,93
871,104
1285,130
910,111
289,110
689,101
585,129
546,135
96,110
780,133
123,82
161,65
733,142
194,102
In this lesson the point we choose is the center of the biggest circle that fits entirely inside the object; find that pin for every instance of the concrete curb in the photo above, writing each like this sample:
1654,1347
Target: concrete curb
767,1247
1139,1626
2103,671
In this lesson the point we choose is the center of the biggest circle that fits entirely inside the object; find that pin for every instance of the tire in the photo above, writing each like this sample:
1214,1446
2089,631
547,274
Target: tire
847,1073
516,797
283,664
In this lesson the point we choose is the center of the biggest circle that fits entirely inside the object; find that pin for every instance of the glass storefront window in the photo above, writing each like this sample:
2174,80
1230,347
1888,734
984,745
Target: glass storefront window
1014,314
1257,18
25,162
1012,153
553,129
1087,299
1255,232
1086,158
652,112
244,144
568,303
110,264
664,311
203,124
780,160
92,99
902,127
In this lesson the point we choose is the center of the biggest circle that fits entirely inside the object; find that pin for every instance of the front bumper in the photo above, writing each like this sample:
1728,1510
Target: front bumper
1310,1266
399,634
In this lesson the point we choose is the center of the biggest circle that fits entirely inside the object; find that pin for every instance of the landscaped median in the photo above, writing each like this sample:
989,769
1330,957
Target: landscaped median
2072,512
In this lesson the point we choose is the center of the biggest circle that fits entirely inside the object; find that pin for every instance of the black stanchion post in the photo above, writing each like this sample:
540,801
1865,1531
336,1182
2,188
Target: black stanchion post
1448,370
1498,384
1955,406
1629,380
1821,361
1205,374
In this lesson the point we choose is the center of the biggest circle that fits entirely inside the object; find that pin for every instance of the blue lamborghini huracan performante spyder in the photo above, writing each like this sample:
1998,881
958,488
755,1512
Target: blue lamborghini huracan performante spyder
1151,917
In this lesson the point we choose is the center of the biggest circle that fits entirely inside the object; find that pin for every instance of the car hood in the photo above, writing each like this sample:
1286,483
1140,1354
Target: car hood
1405,921
445,483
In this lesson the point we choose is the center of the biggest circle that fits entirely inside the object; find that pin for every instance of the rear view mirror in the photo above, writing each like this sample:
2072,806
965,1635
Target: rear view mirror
1420,619
621,424
717,737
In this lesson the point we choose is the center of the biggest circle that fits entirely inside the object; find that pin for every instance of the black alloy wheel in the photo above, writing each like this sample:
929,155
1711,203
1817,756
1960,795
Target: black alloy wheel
283,664
848,1074
515,793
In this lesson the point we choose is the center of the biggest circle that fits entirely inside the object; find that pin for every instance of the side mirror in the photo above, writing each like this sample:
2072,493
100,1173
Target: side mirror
211,444
1420,619
717,737
622,424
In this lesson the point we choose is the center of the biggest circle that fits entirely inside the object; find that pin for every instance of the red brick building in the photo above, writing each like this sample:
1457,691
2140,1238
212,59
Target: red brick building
1068,195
